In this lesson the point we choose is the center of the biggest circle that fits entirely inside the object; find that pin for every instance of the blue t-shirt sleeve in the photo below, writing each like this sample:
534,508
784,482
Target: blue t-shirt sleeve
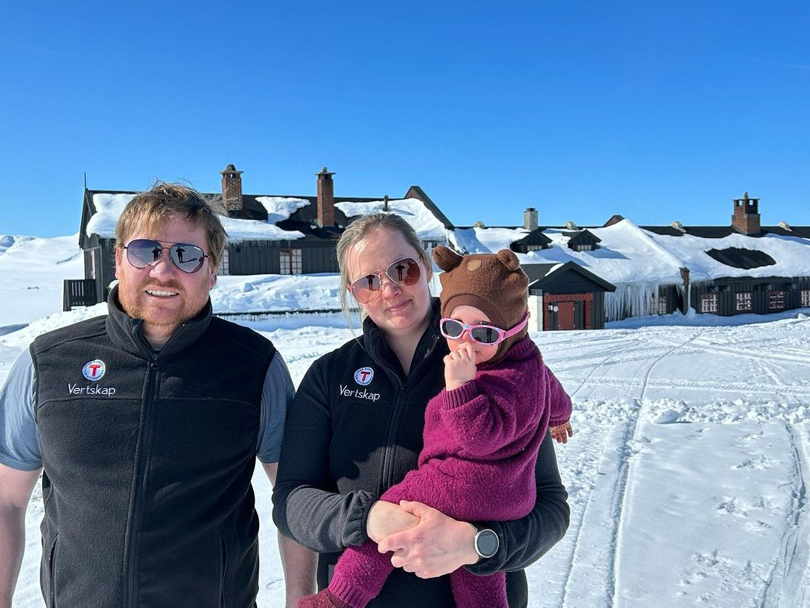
277,397
19,436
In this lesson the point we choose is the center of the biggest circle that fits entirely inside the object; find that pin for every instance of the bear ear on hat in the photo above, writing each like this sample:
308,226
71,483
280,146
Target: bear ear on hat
509,259
446,258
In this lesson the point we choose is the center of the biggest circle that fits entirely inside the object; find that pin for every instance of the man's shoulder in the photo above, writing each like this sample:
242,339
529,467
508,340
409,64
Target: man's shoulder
76,331
240,336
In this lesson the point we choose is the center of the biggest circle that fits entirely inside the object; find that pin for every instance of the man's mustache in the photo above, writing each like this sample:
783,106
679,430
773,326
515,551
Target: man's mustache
170,286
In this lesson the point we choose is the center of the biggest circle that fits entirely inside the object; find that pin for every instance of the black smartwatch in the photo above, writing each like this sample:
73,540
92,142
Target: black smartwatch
486,543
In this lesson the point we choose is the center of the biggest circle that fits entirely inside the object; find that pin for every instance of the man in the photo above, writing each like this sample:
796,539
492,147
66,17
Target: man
146,425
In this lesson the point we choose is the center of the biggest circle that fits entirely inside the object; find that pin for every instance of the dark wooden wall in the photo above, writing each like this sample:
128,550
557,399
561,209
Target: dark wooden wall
727,290
263,257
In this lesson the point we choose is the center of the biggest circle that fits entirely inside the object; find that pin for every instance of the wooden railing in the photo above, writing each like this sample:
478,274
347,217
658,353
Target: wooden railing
79,292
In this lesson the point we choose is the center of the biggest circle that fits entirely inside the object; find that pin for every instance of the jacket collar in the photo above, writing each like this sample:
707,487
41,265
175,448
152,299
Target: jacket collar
127,332
376,345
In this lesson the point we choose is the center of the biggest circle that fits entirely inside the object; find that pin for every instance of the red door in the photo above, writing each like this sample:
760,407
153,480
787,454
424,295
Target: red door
565,315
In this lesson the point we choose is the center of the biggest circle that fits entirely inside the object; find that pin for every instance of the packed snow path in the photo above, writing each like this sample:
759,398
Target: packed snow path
687,471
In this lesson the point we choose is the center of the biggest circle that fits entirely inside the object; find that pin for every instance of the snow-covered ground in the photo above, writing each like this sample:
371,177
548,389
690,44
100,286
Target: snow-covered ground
686,471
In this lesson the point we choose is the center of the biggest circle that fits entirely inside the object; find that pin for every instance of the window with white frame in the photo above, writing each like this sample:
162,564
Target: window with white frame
534,247
776,300
225,263
708,302
662,305
584,247
291,261
805,298
745,301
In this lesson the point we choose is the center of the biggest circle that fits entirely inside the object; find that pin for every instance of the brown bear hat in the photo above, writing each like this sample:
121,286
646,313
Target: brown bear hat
493,283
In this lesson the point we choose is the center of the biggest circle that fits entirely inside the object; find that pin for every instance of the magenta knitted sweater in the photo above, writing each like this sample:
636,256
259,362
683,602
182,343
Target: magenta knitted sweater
485,434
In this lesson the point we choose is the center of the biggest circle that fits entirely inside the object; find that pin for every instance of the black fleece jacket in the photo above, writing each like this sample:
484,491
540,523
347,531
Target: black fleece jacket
148,462
354,431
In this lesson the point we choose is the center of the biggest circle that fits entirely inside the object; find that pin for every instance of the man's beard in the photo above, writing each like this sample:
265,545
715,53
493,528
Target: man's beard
157,320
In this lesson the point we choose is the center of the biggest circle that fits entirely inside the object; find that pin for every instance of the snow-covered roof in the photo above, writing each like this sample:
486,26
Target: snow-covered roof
412,210
791,254
630,254
281,207
109,207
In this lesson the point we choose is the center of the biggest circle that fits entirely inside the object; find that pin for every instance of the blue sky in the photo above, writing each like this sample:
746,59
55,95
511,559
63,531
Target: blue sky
658,111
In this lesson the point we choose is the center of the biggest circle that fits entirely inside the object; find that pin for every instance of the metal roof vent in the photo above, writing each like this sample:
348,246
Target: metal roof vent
678,226
479,224
570,225
784,226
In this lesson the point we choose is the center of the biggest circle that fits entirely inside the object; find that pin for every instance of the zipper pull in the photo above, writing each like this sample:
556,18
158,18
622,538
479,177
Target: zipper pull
154,363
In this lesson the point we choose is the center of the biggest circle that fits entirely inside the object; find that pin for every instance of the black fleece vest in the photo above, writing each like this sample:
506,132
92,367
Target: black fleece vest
147,462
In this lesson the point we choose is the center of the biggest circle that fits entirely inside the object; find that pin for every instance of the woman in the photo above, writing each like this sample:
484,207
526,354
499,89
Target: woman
356,429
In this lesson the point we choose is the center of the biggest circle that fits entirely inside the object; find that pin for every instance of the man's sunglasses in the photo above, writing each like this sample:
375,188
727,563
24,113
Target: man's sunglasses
483,334
145,252
368,288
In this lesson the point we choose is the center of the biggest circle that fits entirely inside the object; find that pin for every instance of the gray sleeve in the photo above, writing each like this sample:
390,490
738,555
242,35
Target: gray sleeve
19,436
277,397
306,505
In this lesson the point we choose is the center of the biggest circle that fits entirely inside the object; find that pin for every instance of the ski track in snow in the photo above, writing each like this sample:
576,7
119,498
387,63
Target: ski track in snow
646,380
627,452
785,586
590,579
598,366
783,355
733,387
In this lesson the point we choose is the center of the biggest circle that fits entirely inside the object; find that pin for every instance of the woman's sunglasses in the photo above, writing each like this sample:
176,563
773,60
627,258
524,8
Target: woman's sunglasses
145,252
368,288
483,334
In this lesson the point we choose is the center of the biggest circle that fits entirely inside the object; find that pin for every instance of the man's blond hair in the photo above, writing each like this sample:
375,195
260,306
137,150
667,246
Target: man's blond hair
152,208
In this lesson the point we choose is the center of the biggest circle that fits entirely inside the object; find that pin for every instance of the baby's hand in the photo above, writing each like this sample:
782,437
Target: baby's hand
562,432
459,367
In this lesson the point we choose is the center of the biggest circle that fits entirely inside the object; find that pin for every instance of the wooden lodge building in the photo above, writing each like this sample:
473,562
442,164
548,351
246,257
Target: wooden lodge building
302,243
579,277
580,291
739,293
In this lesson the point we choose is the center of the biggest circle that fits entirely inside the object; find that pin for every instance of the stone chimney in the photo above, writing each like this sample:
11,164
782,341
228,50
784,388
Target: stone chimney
530,219
746,215
232,190
326,198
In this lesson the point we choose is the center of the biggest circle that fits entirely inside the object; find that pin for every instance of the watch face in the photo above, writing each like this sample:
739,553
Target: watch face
487,543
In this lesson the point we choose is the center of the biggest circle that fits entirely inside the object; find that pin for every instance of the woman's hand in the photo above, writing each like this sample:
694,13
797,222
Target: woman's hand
459,366
386,518
438,545
562,432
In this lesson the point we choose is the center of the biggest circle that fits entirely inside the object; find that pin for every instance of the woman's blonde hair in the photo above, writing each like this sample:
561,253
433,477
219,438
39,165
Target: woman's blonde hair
358,231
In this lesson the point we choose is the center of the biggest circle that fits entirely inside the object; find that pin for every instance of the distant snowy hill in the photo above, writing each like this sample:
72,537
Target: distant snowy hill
32,270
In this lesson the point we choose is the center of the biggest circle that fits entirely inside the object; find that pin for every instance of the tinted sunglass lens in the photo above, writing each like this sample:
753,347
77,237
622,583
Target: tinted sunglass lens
484,335
365,288
405,272
142,252
451,328
188,258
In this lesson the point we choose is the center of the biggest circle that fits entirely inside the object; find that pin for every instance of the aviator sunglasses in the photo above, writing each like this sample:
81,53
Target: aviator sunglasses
145,252
368,288
483,334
